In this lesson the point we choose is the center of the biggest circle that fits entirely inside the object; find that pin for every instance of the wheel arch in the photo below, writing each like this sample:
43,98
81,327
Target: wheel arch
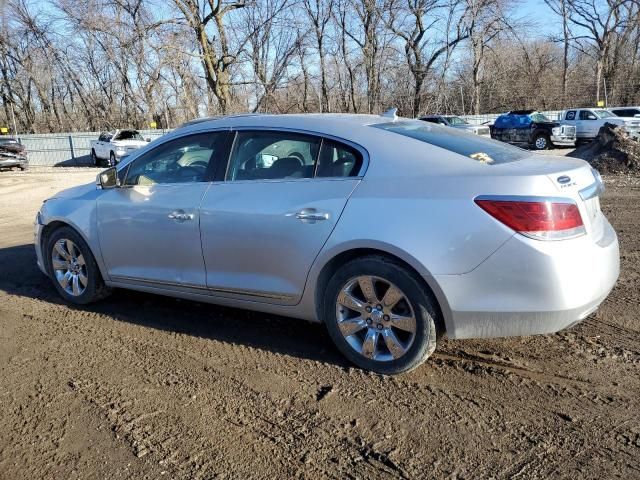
332,264
56,224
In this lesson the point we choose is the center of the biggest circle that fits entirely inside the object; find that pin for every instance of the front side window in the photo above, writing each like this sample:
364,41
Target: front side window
183,160
267,155
587,115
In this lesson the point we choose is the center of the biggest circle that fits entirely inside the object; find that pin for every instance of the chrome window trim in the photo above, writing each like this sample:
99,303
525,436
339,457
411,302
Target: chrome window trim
526,198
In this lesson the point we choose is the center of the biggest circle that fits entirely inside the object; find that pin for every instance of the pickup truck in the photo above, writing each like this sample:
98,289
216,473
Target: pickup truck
112,146
532,129
589,120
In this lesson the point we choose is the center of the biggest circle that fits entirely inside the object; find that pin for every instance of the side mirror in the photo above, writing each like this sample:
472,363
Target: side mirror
108,179
147,139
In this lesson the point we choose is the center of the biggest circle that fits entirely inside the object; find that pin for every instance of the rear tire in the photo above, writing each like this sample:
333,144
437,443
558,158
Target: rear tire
72,267
380,316
94,158
112,160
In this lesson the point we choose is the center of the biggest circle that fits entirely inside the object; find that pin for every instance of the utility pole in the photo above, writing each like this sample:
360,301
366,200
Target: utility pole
13,118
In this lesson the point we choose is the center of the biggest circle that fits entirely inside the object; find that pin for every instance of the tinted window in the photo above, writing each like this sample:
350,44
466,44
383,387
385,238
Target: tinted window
571,115
338,160
472,146
129,135
587,115
261,155
183,160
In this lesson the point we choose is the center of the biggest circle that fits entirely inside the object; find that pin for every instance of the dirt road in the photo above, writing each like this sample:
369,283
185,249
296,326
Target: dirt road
140,386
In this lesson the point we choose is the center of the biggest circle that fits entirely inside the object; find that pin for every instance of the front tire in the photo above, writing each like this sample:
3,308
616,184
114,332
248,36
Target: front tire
72,268
380,316
112,159
94,158
541,142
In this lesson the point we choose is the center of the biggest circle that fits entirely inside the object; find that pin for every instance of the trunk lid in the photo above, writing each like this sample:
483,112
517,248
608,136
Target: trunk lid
568,178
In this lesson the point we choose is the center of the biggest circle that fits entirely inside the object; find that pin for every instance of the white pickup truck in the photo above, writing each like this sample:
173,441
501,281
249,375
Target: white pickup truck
589,120
112,146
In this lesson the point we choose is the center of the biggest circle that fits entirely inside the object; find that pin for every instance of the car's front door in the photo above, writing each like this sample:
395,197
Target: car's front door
263,225
149,228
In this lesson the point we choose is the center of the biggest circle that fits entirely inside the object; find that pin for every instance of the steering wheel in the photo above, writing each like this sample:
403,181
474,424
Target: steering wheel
297,155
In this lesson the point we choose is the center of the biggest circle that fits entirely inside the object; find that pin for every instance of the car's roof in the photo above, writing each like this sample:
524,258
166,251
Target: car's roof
349,126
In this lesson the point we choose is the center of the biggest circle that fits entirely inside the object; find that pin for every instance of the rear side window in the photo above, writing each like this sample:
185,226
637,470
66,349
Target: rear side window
571,115
338,160
475,147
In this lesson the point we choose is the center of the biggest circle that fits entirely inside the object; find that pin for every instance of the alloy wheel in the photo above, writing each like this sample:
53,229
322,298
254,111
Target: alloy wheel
69,267
541,143
375,318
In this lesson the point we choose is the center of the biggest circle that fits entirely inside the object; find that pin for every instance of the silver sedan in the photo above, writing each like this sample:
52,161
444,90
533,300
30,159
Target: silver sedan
392,232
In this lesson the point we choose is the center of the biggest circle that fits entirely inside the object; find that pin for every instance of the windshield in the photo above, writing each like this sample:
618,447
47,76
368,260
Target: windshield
7,140
475,147
603,113
538,117
129,135
453,121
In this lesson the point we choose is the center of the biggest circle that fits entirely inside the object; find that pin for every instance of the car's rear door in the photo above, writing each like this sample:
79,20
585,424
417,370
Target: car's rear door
149,228
264,222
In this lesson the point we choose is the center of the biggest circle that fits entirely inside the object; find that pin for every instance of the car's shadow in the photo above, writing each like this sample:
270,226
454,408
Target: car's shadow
19,275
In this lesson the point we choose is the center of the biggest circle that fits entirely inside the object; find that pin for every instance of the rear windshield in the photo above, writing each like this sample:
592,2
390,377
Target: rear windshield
475,147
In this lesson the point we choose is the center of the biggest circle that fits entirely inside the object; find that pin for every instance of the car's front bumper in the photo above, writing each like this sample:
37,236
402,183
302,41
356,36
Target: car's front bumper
6,162
530,286
37,242
563,140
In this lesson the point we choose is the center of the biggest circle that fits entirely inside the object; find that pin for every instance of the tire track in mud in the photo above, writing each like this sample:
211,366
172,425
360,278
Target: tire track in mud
292,426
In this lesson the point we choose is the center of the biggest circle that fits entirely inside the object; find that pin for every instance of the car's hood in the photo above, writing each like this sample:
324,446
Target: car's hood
15,148
129,143
75,192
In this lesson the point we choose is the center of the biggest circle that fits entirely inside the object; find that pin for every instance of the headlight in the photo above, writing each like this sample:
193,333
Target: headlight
556,130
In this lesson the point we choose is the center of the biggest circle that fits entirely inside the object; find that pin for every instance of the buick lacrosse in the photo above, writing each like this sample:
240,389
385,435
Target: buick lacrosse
390,231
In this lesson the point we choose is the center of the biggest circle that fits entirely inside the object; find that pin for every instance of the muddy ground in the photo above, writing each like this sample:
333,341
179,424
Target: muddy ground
140,386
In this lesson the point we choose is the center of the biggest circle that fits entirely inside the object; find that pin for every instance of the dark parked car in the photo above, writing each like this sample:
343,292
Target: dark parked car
13,154
532,129
625,111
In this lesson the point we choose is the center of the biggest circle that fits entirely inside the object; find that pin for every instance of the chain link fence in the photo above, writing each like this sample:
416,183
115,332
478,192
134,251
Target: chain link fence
67,149
553,115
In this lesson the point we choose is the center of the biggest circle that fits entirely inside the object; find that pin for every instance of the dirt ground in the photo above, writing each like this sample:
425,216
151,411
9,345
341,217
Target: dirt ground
141,386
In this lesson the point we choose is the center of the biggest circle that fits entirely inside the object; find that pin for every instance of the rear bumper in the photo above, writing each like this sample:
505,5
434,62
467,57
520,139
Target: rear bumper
531,287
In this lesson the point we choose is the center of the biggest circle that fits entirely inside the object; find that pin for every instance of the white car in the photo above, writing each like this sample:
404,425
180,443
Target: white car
112,146
588,122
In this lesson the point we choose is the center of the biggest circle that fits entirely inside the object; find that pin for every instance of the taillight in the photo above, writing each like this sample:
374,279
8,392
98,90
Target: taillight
542,219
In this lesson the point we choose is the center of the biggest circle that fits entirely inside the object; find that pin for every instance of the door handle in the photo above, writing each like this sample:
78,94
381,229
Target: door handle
311,215
180,216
